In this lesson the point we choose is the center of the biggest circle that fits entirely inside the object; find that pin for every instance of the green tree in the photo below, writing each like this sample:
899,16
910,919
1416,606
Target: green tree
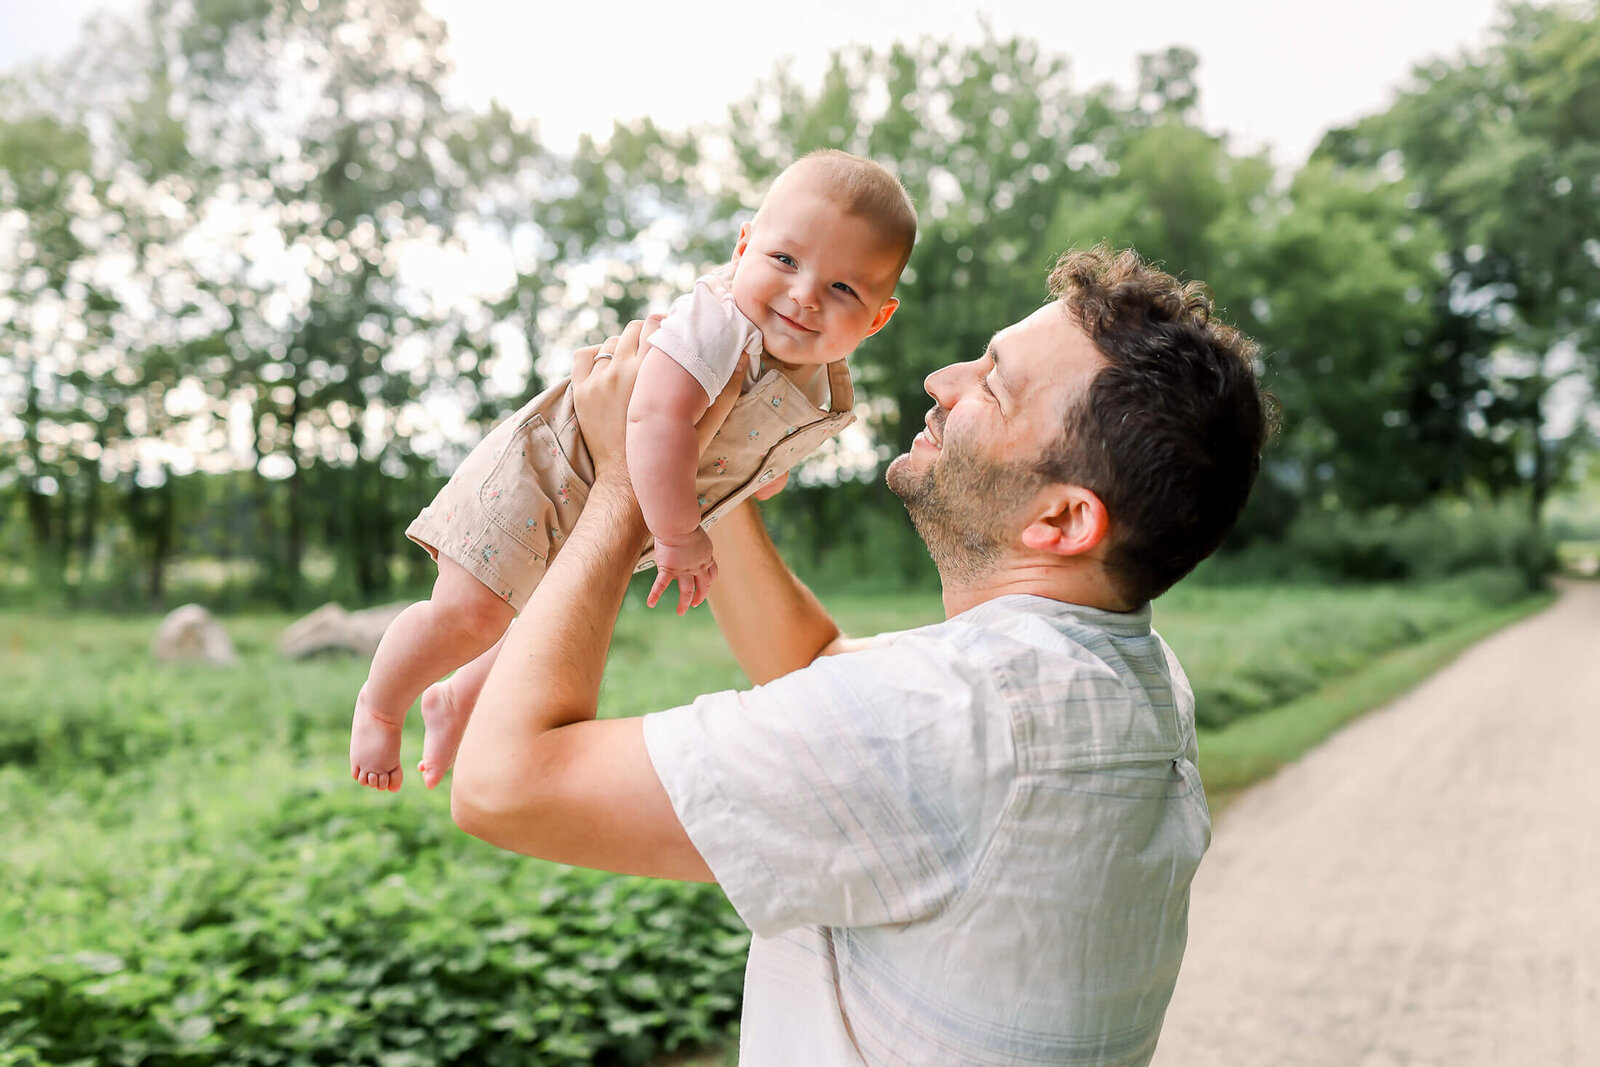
1345,318
1503,148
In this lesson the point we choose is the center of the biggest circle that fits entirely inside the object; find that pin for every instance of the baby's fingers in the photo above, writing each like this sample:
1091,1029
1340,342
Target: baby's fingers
663,580
702,585
686,593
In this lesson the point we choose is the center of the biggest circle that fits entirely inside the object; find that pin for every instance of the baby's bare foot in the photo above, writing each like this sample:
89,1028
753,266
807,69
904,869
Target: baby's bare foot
443,723
374,749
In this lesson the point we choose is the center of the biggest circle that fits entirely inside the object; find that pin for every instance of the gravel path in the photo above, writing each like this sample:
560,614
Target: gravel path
1423,888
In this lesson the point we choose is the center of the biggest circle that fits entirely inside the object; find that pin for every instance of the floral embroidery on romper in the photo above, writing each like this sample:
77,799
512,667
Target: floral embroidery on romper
494,494
700,500
721,465
777,401
533,524
489,553
564,491
754,434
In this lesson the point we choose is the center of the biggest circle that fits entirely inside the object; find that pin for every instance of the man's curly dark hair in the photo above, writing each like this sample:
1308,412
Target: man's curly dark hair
1170,431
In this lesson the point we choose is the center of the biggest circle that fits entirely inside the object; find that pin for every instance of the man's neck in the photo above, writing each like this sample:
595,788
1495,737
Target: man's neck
1071,581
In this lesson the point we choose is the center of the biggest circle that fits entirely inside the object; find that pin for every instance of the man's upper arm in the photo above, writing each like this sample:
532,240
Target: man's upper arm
592,799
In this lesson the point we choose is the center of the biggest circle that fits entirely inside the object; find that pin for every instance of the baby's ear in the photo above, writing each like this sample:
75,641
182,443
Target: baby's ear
885,313
744,240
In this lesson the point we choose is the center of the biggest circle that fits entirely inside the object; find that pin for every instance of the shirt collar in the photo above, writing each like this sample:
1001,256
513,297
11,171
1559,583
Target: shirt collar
1135,623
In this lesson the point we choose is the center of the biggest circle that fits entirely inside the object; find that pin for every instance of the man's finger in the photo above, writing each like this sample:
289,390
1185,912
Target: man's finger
651,324
583,360
627,346
770,490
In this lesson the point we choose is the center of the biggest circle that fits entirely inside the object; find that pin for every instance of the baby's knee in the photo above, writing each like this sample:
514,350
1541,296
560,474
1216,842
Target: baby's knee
470,605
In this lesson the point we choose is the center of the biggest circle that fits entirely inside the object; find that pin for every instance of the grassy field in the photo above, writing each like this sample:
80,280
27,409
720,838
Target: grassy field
191,877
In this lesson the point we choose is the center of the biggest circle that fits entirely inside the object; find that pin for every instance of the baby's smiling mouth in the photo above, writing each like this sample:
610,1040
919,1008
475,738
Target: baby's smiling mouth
793,324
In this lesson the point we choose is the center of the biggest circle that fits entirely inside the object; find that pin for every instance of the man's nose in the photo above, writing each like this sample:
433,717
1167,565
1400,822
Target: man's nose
946,383
943,384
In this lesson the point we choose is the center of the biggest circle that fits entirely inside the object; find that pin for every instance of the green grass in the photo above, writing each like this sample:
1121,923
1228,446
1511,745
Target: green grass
190,875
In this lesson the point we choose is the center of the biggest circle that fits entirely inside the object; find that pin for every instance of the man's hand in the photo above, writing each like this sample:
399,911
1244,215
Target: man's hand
688,562
602,382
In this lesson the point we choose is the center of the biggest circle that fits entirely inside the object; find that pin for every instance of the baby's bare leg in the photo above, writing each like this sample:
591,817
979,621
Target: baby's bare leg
428,640
446,706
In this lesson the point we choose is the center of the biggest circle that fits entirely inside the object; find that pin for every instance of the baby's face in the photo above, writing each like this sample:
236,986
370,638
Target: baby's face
814,279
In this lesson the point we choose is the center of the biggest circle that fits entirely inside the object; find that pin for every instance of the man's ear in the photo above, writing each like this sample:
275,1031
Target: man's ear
885,313
1068,521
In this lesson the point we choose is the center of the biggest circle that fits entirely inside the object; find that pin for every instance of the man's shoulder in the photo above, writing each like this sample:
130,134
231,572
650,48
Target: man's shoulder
1035,630
1072,677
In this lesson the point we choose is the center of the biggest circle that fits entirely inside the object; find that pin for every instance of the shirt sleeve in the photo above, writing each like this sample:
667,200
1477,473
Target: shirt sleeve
705,334
861,790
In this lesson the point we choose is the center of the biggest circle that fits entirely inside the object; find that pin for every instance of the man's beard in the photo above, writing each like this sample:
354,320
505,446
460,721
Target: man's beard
965,508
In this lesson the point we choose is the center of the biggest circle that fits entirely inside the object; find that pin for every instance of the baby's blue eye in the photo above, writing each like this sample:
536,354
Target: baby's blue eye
784,258
843,288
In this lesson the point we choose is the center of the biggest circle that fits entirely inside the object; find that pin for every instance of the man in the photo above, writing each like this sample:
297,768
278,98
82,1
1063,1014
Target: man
966,843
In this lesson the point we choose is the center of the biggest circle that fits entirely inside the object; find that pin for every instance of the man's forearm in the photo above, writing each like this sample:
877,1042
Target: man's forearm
548,672
770,620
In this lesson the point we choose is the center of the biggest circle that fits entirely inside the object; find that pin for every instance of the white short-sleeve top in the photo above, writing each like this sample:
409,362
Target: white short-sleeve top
705,334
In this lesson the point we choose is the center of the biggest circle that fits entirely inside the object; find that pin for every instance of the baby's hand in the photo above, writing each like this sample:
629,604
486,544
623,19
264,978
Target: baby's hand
688,562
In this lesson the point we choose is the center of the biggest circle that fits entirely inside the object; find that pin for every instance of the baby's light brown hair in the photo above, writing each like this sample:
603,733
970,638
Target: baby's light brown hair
865,189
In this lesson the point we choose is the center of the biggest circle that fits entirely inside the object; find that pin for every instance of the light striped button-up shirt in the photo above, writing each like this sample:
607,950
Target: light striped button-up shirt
971,843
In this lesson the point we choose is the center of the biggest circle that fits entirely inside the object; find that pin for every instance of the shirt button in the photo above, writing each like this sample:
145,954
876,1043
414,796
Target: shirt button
766,476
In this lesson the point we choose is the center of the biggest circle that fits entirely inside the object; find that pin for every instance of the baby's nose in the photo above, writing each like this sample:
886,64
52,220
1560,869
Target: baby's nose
804,292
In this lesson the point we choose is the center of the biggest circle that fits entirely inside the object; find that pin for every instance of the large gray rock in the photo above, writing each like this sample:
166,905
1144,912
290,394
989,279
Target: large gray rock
191,634
330,628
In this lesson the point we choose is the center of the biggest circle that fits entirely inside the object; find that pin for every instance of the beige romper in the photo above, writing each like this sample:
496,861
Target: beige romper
507,509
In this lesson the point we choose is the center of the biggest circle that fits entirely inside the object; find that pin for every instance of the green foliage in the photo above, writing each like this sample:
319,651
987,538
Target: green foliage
1393,544
330,931
191,878
1423,288
1501,148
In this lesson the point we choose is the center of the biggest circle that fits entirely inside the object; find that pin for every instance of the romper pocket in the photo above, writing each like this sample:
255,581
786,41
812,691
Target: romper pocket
532,493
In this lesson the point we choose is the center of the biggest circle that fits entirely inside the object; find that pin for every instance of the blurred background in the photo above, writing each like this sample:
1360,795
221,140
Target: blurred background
270,268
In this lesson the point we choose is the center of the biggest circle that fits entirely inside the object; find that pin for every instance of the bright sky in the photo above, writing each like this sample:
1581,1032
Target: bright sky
1272,72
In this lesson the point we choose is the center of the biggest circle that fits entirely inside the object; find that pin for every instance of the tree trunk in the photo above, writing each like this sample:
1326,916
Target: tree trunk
161,537
295,527
1539,484
89,531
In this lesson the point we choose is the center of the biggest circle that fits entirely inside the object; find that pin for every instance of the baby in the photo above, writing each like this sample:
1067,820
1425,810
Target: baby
812,276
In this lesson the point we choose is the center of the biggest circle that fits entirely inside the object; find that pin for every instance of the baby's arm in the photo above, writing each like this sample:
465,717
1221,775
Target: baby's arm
663,456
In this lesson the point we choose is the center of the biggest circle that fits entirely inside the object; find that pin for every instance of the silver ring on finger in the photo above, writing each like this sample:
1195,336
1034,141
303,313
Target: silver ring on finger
604,355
